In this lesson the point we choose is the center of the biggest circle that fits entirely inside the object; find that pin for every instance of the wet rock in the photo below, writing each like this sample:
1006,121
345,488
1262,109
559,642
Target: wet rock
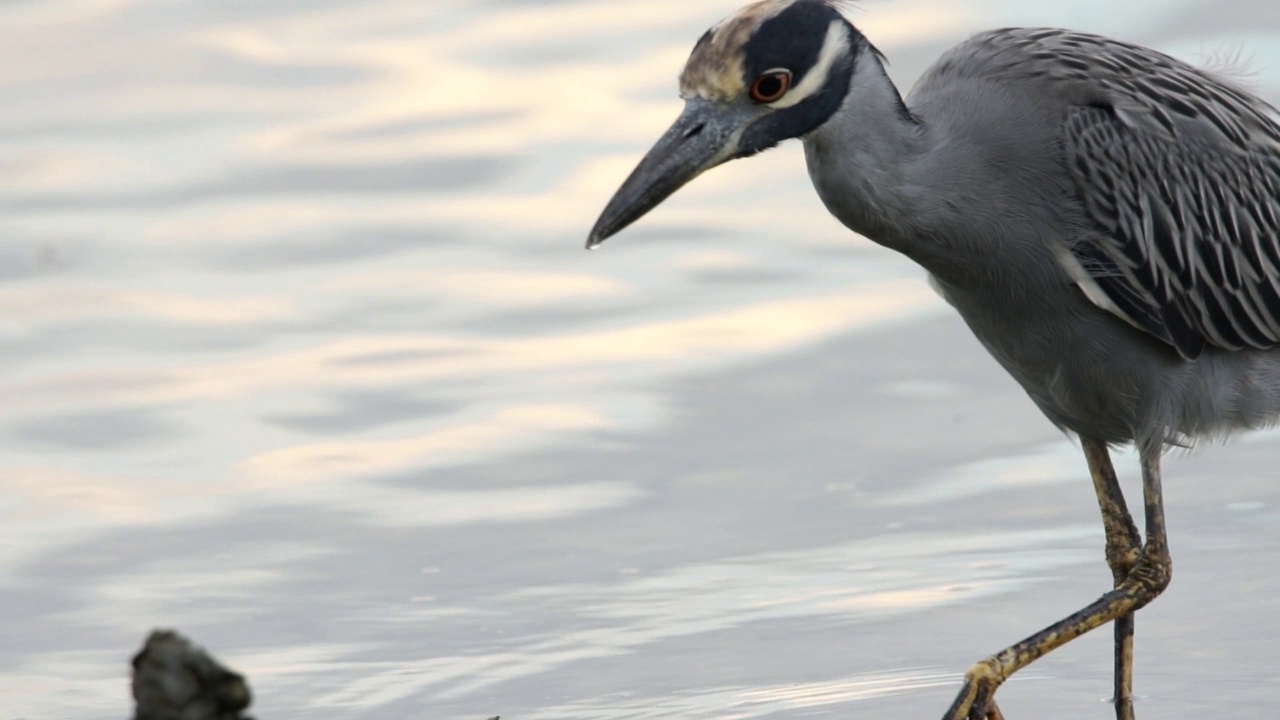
174,679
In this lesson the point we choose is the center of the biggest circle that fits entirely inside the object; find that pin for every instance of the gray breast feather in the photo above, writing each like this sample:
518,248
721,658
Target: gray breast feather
1180,173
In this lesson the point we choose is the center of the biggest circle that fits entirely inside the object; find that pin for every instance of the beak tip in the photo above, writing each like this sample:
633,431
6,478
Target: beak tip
597,236
698,140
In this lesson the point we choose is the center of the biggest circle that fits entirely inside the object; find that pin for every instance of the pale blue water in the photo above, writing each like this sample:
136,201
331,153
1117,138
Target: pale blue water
301,355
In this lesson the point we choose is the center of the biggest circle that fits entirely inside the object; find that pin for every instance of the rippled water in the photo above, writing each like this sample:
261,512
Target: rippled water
301,355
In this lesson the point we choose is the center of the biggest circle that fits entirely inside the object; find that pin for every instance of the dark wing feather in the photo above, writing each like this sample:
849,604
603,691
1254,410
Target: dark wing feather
1181,174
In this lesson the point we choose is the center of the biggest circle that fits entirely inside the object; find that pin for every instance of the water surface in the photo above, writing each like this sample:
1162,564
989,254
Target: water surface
301,355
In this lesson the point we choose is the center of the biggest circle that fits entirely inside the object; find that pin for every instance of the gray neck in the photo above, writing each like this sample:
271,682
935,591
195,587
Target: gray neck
865,163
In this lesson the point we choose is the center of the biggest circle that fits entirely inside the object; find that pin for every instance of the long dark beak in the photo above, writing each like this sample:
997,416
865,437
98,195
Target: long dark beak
702,137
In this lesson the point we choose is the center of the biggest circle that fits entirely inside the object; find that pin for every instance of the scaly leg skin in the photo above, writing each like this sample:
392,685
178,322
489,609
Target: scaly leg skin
1123,546
1148,578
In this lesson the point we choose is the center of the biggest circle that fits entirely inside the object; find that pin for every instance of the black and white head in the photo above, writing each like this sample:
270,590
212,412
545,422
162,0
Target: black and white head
778,69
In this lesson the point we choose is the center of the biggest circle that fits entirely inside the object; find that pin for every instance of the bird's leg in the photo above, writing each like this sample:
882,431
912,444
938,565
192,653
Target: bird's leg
1148,577
1123,546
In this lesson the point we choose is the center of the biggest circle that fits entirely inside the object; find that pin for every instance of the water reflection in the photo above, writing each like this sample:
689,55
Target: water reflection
756,701
301,354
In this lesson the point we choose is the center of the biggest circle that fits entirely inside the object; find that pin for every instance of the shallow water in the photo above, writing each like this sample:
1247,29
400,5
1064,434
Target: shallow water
302,356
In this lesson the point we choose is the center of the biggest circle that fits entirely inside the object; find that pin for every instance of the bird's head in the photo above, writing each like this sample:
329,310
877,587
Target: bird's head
778,69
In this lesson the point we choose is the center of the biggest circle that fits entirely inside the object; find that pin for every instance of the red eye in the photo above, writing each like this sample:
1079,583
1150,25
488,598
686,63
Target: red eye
771,86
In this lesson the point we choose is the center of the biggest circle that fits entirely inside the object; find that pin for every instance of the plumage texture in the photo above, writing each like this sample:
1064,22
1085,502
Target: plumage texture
1103,216
1181,172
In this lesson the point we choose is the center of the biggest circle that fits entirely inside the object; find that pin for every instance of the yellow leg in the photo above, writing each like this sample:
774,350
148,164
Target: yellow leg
1123,546
1148,577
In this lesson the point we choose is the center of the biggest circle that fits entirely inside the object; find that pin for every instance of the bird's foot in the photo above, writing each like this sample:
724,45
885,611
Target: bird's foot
976,700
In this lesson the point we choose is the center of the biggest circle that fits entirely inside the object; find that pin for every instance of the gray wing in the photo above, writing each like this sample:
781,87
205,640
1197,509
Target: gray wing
1180,173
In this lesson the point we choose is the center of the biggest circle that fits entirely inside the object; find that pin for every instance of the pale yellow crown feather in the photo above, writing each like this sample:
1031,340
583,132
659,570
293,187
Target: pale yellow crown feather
715,69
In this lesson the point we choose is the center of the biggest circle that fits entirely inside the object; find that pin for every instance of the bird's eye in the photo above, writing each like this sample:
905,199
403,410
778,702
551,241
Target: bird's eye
771,86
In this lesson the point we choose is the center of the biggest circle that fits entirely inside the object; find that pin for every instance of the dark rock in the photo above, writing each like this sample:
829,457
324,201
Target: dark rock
174,679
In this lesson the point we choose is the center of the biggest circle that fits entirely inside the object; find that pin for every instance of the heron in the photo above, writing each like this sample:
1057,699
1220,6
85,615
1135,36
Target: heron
1104,217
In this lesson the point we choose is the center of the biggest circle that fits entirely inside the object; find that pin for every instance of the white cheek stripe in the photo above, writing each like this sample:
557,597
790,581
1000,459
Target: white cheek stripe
835,45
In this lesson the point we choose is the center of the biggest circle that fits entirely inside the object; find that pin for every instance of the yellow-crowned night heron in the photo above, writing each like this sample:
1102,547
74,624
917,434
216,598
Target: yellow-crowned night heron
1104,217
